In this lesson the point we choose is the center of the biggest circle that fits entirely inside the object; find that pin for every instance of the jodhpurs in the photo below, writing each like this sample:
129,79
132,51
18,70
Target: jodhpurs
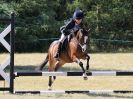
62,38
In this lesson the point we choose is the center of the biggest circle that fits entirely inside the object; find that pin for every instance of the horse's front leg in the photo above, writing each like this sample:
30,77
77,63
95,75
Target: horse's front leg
87,65
75,59
50,83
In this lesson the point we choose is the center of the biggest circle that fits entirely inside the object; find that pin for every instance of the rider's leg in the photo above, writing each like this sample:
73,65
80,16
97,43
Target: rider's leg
60,44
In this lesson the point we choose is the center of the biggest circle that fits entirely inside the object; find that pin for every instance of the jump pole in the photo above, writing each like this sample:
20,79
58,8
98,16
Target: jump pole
72,91
91,73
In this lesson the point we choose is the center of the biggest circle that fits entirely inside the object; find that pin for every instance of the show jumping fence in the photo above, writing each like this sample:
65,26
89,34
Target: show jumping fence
10,61
91,73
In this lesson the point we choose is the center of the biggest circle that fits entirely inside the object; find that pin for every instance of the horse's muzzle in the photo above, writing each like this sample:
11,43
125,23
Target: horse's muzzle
84,47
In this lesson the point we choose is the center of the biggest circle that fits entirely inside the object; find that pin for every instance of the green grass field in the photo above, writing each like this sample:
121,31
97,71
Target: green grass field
112,61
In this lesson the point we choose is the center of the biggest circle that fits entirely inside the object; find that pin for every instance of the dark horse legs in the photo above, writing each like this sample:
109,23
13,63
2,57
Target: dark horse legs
52,78
81,65
42,64
87,65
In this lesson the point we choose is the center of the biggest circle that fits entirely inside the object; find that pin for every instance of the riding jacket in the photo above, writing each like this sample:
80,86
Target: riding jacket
70,27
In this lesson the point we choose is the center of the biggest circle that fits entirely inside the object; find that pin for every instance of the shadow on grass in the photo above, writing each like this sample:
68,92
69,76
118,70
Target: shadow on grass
108,95
65,69
32,68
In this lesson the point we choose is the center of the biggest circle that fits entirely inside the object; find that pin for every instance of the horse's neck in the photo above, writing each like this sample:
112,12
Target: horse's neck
74,39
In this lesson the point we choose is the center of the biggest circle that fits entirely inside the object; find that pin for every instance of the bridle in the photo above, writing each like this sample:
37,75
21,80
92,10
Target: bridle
84,44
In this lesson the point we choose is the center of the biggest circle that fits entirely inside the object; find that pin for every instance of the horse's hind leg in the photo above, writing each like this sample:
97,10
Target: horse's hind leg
51,69
52,78
56,68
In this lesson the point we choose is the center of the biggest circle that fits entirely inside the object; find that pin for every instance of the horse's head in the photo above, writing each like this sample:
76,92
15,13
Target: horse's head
82,36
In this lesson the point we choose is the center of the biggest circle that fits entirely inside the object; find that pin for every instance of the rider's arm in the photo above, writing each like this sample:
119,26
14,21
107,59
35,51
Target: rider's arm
68,27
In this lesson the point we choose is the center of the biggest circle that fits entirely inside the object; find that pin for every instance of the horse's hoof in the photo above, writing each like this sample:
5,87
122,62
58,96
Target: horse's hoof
85,78
49,88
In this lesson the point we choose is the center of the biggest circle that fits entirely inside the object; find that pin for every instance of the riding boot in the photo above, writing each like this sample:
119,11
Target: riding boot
58,51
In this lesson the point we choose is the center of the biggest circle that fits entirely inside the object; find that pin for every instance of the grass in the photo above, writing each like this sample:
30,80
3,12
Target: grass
117,61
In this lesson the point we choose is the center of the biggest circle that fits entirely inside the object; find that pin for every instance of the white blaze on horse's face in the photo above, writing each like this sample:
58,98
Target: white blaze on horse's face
83,46
85,39
81,34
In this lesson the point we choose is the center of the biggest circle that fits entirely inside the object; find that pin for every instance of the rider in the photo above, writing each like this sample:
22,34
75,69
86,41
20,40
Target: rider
73,25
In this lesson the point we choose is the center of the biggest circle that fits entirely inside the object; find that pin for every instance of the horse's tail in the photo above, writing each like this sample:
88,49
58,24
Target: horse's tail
41,66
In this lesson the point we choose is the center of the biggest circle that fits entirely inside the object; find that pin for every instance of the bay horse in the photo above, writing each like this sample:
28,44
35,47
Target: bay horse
75,50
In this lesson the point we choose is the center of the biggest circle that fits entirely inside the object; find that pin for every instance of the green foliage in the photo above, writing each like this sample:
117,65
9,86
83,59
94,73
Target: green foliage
107,19
5,9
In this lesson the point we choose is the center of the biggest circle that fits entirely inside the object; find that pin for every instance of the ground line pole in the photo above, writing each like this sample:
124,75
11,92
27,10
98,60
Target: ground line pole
12,36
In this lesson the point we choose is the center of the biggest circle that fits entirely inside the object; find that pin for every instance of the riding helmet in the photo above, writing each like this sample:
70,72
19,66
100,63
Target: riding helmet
78,14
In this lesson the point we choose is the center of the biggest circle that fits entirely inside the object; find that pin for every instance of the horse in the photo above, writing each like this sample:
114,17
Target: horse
76,49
